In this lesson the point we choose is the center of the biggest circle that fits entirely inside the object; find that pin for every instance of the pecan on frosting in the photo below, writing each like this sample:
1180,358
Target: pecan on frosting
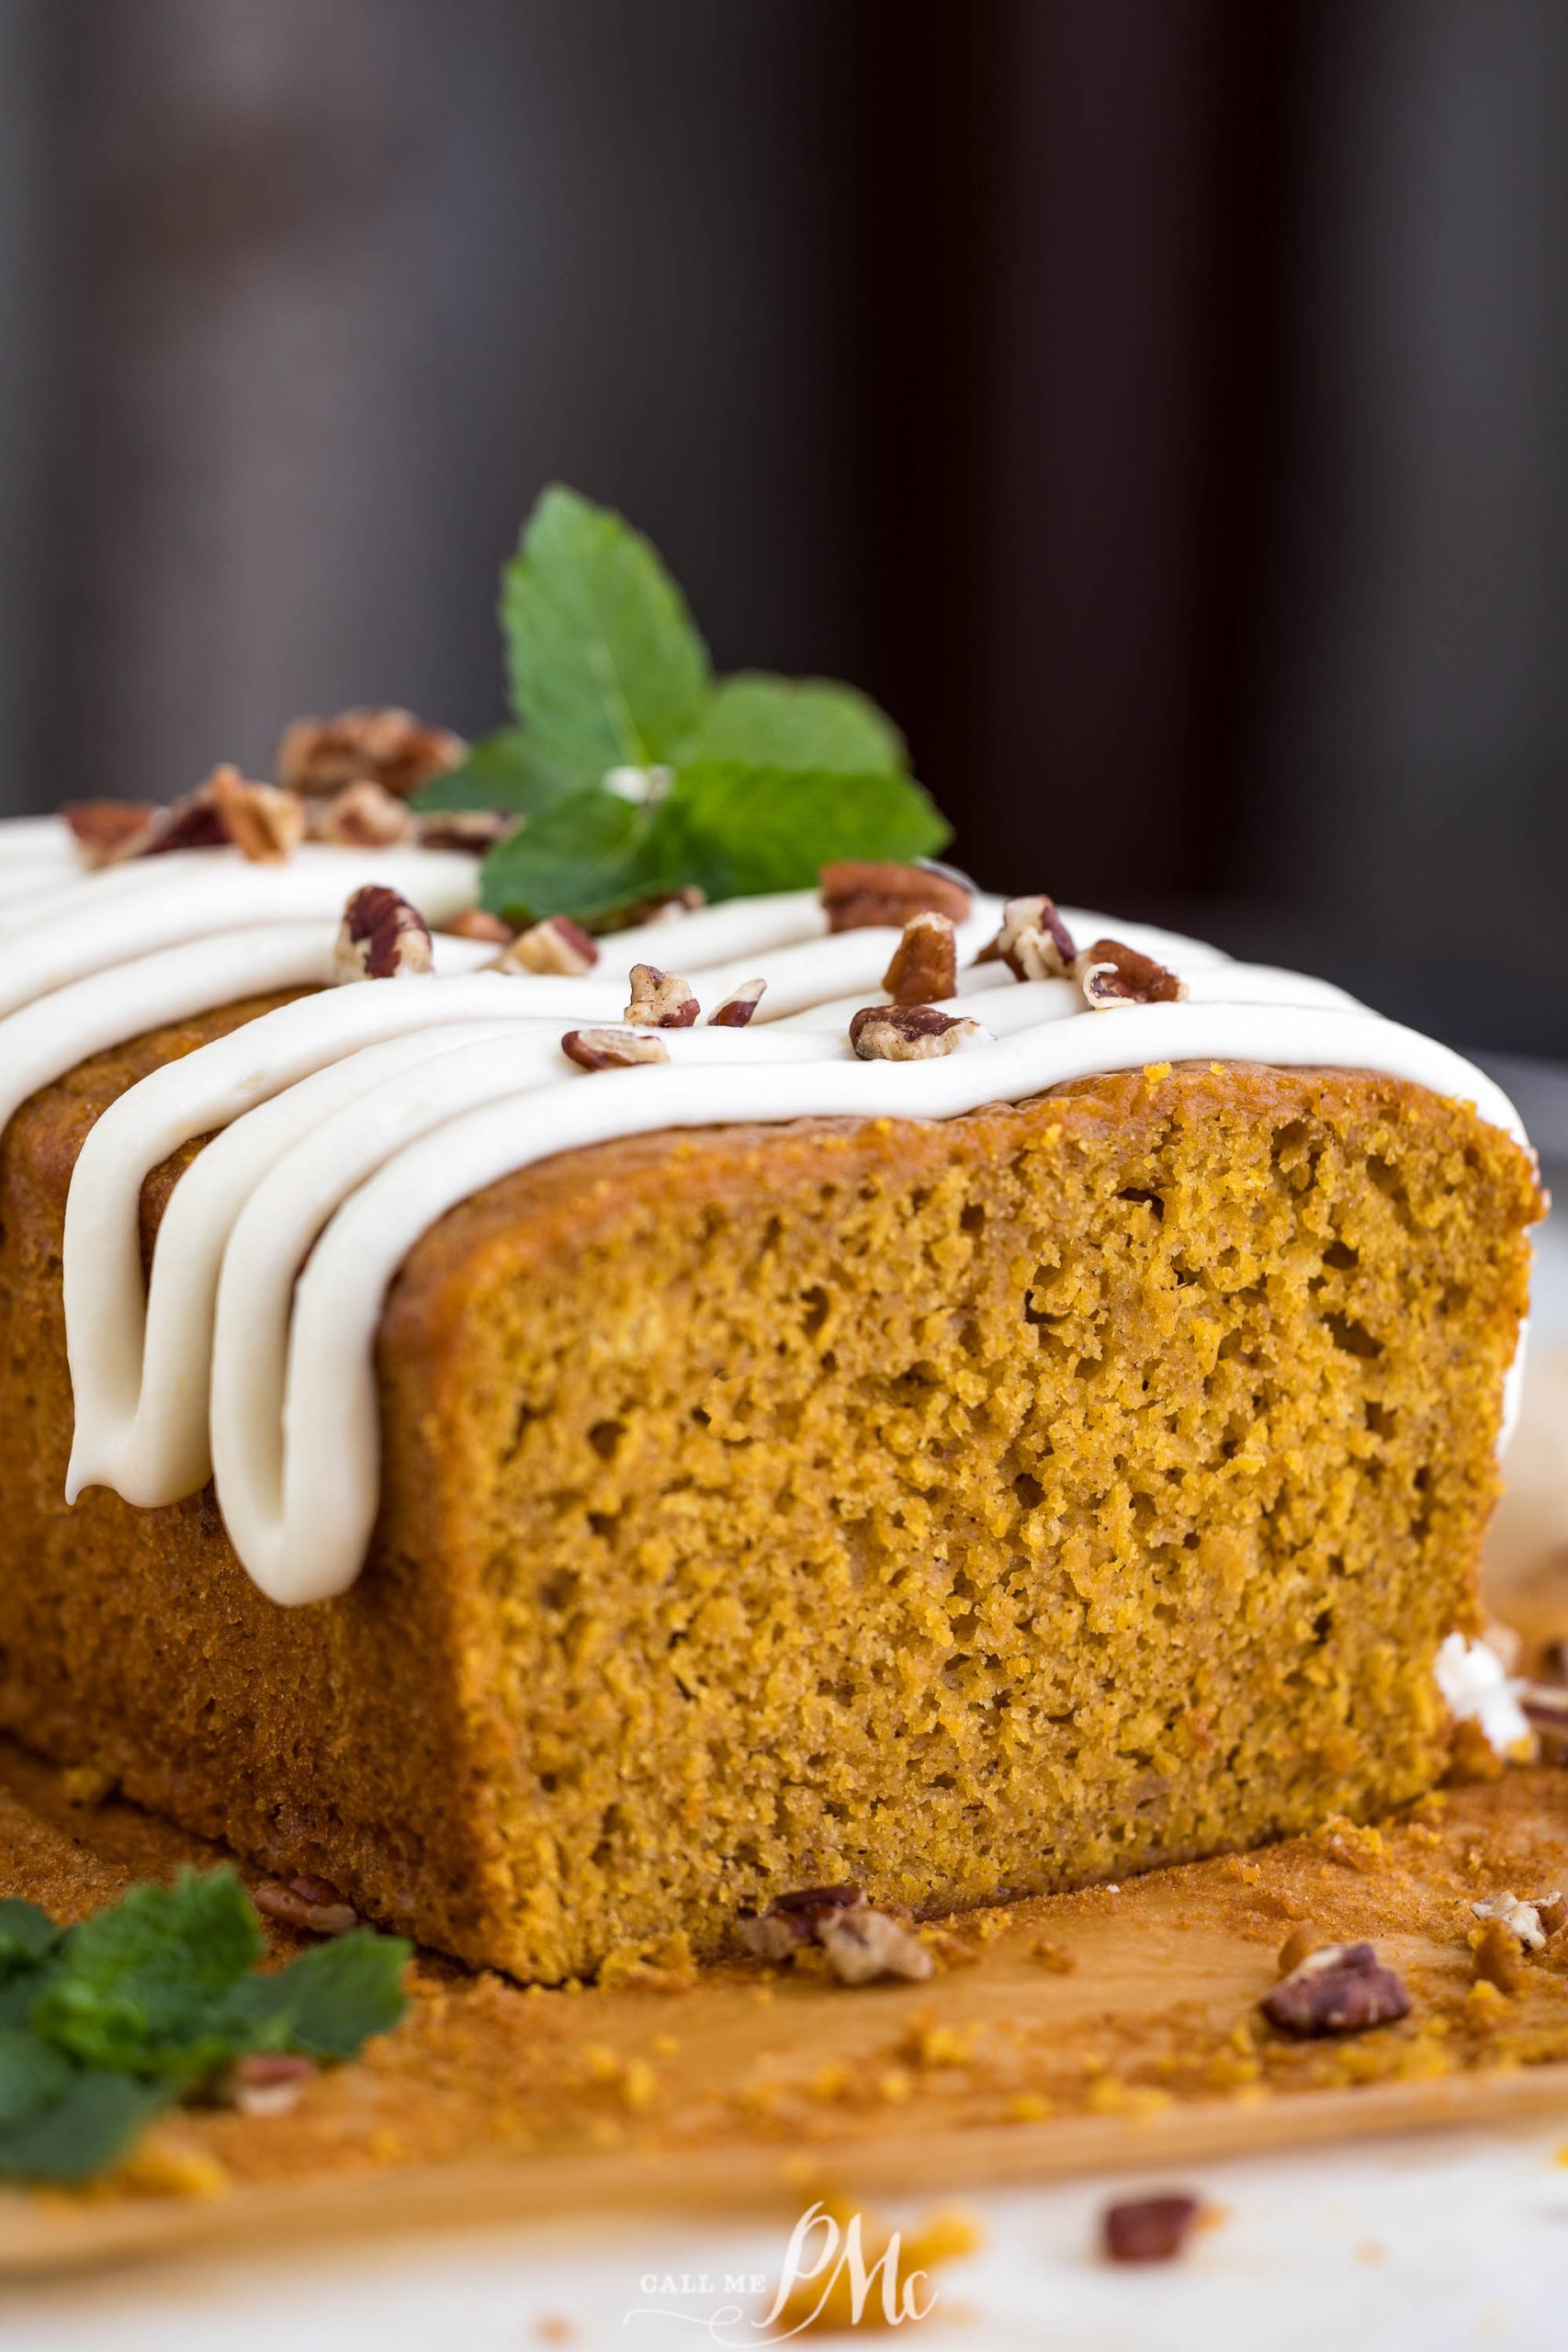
660,1000
739,1006
611,1048
264,823
557,944
389,746
1034,941
860,892
925,962
910,1033
477,923
381,937
475,829
363,816
1111,973
108,831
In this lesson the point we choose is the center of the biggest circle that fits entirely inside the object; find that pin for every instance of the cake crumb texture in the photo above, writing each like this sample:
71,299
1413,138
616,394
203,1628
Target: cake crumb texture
971,1510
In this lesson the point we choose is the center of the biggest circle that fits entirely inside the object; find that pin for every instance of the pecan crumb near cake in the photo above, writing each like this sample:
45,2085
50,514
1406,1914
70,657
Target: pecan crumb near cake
861,1943
1150,2229
739,1006
859,893
925,962
1344,1988
390,747
381,937
1532,1920
660,1000
306,1901
556,945
1112,974
611,1048
267,2082
910,1033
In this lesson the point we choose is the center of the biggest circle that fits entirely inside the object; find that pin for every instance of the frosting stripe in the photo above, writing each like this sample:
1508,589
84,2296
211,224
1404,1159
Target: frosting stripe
295,1433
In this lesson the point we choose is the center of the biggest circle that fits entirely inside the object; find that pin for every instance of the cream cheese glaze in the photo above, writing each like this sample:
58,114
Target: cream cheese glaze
347,1123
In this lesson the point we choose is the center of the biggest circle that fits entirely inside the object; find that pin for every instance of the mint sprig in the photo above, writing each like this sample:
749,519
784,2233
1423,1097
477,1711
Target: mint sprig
738,785
105,2024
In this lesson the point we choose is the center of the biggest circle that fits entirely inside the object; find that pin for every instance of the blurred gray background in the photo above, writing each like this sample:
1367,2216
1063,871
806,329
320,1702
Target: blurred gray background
1163,408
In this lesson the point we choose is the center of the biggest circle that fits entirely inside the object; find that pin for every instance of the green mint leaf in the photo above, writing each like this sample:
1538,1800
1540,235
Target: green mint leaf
32,2076
505,771
63,2123
739,830
772,722
583,856
27,1935
141,1987
606,667
329,2002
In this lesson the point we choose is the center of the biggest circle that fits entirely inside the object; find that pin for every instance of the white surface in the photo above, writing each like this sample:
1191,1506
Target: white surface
1401,2246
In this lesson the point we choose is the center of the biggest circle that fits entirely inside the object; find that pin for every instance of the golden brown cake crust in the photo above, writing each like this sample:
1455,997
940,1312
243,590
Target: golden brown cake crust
999,1503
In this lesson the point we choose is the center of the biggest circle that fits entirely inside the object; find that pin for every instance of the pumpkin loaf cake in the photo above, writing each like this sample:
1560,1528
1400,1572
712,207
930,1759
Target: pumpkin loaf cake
571,1471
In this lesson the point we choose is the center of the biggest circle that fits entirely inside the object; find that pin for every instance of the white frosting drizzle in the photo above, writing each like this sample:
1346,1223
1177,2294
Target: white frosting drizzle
345,1125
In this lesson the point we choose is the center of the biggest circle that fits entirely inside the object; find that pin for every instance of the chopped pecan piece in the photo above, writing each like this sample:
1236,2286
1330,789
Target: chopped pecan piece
660,1000
381,937
268,2082
363,816
611,1048
1111,973
665,906
862,1945
1150,2229
557,944
389,746
194,821
107,831
475,829
306,1901
858,893
477,923
1532,1920
739,1006
791,1920
910,1033
1344,1988
265,824
925,962
1034,941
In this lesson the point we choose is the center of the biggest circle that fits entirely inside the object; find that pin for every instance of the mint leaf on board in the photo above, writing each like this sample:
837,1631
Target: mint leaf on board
142,1987
329,2002
28,1936
503,771
606,665
585,855
740,830
87,2122
770,722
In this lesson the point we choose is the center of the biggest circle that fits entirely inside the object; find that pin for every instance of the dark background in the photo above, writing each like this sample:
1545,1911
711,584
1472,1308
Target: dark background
1161,406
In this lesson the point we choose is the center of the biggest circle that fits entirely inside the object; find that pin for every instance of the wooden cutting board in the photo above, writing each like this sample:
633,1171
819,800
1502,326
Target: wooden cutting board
1110,2029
